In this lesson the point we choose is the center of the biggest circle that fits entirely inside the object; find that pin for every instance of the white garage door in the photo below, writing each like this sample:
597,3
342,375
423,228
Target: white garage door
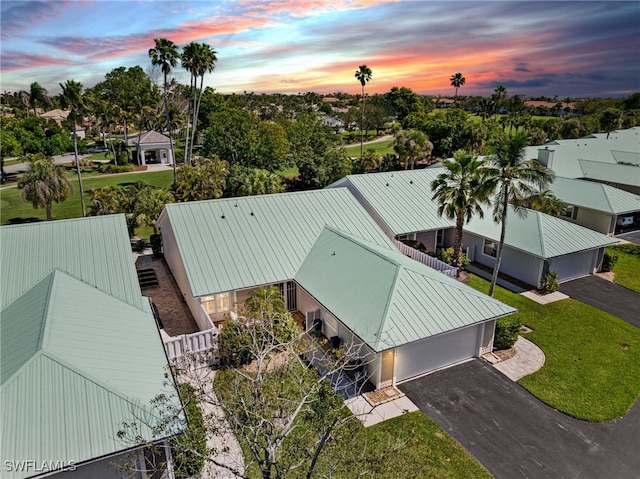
573,265
433,353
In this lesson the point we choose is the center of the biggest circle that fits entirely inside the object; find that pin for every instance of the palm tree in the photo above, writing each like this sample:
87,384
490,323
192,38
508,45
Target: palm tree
166,55
44,182
198,59
363,75
546,202
498,97
71,98
411,146
460,190
457,81
37,94
513,180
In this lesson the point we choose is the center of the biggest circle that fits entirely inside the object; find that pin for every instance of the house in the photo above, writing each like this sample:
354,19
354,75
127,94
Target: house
152,147
332,262
613,160
401,203
596,206
80,352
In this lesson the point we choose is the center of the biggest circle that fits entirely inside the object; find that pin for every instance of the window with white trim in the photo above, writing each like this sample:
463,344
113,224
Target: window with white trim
570,212
490,248
216,303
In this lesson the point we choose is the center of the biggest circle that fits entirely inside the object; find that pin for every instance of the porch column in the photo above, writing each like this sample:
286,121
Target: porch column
167,455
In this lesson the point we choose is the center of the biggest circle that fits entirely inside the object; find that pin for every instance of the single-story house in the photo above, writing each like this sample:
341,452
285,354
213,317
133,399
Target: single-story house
152,147
80,352
401,202
596,206
332,262
612,160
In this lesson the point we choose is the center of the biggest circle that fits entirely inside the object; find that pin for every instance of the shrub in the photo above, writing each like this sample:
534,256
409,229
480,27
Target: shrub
507,330
115,168
549,282
609,261
190,448
236,343
156,245
415,245
446,255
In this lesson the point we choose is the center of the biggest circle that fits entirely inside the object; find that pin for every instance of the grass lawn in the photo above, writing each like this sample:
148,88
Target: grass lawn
12,207
380,147
288,173
627,269
592,366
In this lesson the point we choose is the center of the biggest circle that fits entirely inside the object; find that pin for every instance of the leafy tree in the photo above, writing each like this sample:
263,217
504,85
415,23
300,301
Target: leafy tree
205,179
457,80
166,55
44,183
610,119
308,134
363,75
513,180
317,171
252,181
460,191
72,99
402,102
109,200
149,204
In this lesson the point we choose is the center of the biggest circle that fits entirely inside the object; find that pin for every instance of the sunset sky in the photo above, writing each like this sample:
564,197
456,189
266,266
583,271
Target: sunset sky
549,48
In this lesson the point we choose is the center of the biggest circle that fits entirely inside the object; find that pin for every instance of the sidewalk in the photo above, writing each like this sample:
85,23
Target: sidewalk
528,359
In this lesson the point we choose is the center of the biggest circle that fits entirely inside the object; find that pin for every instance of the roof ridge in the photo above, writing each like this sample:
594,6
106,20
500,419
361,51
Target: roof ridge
390,299
540,222
44,331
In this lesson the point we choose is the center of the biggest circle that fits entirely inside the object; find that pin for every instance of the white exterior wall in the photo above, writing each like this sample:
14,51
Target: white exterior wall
174,260
517,264
575,265
594,220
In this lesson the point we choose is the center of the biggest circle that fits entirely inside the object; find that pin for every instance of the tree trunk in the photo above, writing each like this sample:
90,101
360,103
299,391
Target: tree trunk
362,124
166,111
196,114
75,152
457,243
496,268
47,209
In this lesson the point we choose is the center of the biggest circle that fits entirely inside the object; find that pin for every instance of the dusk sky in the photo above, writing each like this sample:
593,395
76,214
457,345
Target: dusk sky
549,48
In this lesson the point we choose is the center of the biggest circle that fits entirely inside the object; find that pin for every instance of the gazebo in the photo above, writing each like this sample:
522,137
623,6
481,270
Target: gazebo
152,147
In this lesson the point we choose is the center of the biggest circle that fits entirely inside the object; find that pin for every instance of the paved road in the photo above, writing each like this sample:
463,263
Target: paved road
20,167
607,296
514,435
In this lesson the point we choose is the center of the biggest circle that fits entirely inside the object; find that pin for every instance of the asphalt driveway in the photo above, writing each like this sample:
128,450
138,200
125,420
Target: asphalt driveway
514,435
607,296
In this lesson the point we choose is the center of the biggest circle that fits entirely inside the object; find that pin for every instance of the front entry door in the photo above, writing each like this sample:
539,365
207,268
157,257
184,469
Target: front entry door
388,365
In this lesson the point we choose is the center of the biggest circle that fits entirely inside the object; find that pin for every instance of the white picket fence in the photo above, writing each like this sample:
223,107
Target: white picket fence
425,259
202,345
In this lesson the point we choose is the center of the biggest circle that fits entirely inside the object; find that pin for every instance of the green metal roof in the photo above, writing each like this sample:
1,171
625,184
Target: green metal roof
94,249
76,363
401,198
385,298
236,243
538,234
612,173
80,351
595,196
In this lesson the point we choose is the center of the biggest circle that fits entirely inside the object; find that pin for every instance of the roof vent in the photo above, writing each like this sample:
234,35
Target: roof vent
411,182
222,216
235,205
252,214
333,254
387,183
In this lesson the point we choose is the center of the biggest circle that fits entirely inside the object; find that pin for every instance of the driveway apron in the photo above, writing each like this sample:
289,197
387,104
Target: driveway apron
607,296
514,435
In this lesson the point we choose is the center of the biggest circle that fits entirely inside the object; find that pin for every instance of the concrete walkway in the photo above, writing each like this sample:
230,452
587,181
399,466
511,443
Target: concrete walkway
528,359
370,415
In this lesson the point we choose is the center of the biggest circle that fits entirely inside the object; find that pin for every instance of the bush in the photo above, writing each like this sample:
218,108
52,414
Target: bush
415,245
115,168
156,245
609,261
190,448
446,255
236,342
549,282
507,330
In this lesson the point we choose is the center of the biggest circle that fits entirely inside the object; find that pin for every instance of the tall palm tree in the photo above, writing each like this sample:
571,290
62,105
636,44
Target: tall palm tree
205,63
513,180
37,94
166,55
457,81
460,192
363,75
72,99
189,55
498,97
44,182
411,146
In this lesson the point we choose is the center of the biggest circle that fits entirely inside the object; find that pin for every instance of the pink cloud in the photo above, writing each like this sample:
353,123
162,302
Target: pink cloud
14,61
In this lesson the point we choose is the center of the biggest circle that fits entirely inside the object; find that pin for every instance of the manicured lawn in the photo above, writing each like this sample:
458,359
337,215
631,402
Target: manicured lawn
592,368
381,147
627,269
12,206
